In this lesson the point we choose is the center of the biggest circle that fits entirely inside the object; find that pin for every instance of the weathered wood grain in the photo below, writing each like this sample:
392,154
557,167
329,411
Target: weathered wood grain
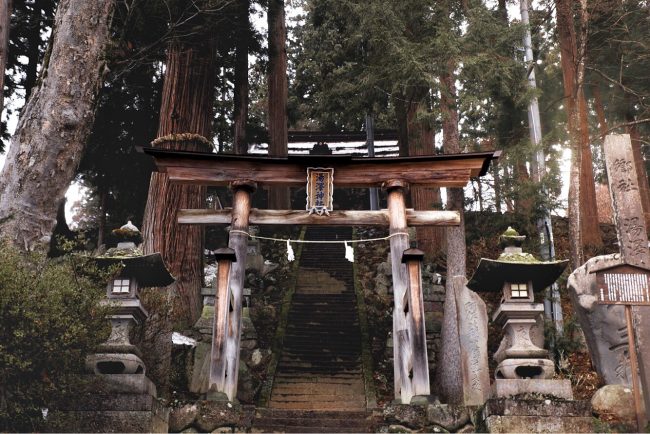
417,332
219,329
295,217
432,171
239,243
398,244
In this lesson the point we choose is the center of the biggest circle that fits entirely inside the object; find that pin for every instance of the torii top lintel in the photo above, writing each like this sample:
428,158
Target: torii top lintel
446,170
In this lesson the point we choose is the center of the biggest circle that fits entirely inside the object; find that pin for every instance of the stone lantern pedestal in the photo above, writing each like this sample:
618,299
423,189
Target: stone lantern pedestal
521,358
121,398
523,363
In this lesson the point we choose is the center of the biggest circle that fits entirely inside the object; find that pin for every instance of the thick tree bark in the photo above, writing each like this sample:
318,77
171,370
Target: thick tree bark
568,55
278,93
456,249
420,133
55,124
186,111
241,78
5,23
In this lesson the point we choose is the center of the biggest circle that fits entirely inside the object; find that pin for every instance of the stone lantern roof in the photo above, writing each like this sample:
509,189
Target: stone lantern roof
513,265
148,270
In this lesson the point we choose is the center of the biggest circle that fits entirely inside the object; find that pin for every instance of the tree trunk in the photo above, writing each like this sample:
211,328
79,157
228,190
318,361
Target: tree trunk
278,90
101,224
5,24
591,237
573,93
497,186
456,254
401,119
600,111
186,107
241,79
33,50
55,124
420,133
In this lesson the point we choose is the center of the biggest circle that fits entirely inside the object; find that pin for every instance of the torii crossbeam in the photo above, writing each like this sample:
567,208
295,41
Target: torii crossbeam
245,173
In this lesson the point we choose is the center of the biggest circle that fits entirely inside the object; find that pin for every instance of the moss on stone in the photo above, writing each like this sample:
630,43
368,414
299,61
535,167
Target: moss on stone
522,258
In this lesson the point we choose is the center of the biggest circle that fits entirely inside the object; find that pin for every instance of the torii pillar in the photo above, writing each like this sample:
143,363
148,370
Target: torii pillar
411,368
224,364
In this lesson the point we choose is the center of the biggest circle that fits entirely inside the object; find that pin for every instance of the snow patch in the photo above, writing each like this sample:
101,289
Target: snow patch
179,339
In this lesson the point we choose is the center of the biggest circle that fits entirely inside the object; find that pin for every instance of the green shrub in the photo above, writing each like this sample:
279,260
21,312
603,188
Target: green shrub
50,320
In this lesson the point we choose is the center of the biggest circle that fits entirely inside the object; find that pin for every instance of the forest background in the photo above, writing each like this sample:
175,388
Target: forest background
92,80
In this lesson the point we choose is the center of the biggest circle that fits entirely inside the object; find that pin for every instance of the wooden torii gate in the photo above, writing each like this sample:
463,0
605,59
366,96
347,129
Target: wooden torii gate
245,173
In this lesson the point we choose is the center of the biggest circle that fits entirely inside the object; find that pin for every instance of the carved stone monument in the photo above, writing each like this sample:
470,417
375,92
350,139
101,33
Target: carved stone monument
464,345
604,325
521,357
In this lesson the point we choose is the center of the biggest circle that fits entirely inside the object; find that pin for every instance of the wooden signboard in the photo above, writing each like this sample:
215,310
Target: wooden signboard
320,190
623,284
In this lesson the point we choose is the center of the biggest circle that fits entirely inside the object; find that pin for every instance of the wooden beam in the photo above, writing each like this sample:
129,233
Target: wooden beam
219,169
336,218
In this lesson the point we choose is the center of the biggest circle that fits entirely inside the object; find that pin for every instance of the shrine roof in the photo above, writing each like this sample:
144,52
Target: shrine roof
443,170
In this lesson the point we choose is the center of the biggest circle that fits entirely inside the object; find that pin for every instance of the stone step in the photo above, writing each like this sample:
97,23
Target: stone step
319,379
312,414
322,388
312,405
320,398
322,428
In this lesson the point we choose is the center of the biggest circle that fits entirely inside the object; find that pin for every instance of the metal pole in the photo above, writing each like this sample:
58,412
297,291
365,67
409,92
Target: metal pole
552,306
370,142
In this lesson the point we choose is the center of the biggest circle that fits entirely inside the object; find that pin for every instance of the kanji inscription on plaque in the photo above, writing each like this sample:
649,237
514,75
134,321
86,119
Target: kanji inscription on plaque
623,284
320,189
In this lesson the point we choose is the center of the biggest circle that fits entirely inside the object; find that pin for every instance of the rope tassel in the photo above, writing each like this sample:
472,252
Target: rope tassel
290,256
349,252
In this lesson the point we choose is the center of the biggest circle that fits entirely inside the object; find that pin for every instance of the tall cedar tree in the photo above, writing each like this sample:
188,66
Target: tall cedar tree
186,107
583,215
240,116
55,124
277,96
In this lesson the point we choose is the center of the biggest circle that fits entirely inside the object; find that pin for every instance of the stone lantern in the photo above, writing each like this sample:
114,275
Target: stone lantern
518,276
118,355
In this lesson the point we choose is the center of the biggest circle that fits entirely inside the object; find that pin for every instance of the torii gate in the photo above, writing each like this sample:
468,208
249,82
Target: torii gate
245,173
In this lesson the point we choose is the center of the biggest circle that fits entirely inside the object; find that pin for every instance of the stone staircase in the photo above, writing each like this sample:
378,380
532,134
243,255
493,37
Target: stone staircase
312,421
319,385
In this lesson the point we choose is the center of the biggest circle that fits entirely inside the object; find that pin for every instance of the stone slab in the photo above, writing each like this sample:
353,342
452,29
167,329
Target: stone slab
129,384
109,421
509,424
117,402
557,388
536,407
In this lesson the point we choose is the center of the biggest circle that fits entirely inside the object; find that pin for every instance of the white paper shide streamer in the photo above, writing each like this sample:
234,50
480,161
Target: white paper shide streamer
290,256
349,252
